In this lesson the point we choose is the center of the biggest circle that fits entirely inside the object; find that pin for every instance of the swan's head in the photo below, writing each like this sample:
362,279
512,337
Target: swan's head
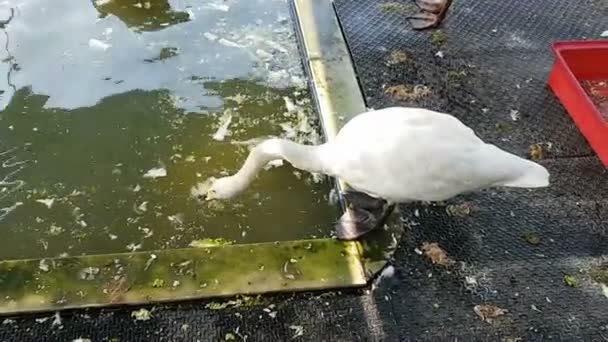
221,188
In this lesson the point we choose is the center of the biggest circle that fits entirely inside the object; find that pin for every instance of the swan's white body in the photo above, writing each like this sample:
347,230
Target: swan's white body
400,155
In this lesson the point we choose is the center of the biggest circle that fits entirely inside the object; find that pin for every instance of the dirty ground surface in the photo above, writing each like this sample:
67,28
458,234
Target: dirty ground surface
531,253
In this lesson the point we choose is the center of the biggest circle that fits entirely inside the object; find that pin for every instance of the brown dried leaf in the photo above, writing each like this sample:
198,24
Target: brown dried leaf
401,92
397,57
459,210
488,312
436,254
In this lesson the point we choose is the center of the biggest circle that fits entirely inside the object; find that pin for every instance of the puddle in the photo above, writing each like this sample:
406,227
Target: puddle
597,90
111,110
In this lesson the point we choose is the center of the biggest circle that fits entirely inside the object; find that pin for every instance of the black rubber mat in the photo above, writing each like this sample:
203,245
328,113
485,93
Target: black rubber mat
512,249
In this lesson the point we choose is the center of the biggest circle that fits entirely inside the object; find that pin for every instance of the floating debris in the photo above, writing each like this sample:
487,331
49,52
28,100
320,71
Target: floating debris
48,202
98,44
290,105
43,266
229,337
439,54
141,315
604,34
140,209
133,247
156,172
489,312
264,55
222,130
80,339
273,163
437,255
55,230
230,43
216,6
88,273
204,243
604,290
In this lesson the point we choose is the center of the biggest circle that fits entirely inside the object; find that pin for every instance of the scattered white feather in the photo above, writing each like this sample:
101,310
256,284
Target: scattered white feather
212,37
222,130
229,43
217,7
514,114
47,201
156,172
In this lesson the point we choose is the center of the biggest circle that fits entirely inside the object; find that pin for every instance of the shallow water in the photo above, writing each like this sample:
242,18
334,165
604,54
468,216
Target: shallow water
99,100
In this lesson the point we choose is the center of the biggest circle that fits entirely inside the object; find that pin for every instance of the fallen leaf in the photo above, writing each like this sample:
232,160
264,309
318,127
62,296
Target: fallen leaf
459,210
141,315
436,254
488,312
401,92
397,57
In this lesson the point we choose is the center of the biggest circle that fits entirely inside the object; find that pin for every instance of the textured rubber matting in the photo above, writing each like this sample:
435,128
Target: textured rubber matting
496,59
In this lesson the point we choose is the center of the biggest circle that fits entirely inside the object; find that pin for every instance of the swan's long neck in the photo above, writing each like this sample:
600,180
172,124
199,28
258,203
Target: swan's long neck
304,157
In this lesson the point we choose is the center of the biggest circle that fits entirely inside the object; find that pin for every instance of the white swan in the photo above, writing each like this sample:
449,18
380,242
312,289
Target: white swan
393,155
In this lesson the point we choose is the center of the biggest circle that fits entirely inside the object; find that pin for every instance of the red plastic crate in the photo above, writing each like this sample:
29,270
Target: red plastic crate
583,61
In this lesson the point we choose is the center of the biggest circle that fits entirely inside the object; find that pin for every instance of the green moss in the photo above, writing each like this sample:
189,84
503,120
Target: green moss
240,301
599,273
570,280
531,237
504,127
438,38
200,273
394,7
158,283
204,243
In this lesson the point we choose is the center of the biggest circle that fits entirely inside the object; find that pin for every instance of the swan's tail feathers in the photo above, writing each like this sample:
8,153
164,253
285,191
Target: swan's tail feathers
533,175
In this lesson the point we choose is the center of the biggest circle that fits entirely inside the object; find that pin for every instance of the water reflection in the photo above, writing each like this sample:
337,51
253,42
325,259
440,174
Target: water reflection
99,102
81,59
152,15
